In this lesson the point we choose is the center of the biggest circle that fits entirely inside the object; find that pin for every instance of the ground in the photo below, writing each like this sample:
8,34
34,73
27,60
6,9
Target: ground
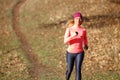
32,43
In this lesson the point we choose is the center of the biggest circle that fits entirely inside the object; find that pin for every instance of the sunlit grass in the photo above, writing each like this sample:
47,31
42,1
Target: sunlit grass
108,75
47,42
13,63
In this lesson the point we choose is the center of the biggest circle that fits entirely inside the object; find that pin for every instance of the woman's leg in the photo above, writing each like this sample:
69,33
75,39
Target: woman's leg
70,58
78,64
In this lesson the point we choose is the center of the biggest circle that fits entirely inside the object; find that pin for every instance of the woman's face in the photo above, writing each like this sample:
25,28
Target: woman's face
78,21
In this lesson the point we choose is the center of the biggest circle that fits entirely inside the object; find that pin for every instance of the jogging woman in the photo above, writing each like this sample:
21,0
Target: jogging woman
75,37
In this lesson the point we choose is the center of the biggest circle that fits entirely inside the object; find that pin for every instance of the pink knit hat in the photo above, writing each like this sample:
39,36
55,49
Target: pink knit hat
77,14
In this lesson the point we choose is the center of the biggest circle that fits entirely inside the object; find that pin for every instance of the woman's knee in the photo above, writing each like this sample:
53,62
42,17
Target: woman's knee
69,70
78,69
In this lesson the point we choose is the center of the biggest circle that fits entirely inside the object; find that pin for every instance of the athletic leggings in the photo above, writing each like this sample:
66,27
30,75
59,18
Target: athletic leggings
78,59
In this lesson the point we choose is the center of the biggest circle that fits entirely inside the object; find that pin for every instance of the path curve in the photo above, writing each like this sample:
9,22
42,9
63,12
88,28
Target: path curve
32,57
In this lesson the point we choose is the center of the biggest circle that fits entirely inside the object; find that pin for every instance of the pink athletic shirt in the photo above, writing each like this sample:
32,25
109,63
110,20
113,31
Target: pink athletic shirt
76,43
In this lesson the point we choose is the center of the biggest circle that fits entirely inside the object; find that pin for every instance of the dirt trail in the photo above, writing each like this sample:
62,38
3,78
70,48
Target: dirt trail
32,57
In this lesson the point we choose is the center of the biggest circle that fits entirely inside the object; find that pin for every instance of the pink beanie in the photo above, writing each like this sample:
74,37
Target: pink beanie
77,14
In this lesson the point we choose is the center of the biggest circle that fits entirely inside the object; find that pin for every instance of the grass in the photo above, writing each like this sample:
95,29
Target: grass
109,75
47,41
51,50
13,62
13,65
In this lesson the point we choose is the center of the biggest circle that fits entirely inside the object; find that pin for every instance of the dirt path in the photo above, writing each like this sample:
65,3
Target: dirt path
32,57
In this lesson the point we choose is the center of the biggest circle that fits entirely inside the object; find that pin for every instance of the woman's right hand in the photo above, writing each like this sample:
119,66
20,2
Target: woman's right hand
74,34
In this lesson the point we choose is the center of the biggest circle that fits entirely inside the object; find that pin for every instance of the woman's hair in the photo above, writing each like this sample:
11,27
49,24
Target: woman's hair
70,23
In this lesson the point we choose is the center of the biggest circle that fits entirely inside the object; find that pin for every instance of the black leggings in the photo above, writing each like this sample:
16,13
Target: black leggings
78,59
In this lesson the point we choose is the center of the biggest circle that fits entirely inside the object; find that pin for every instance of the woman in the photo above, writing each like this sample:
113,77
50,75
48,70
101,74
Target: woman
75,37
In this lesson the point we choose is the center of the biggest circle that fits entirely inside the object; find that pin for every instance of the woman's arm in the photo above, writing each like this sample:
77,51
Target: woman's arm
68,37
85,41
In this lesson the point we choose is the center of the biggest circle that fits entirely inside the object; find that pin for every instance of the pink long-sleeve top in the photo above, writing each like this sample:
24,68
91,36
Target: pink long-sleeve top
76,43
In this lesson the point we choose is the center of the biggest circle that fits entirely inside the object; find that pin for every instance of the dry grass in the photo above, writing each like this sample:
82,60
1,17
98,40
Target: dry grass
47,39
12,61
